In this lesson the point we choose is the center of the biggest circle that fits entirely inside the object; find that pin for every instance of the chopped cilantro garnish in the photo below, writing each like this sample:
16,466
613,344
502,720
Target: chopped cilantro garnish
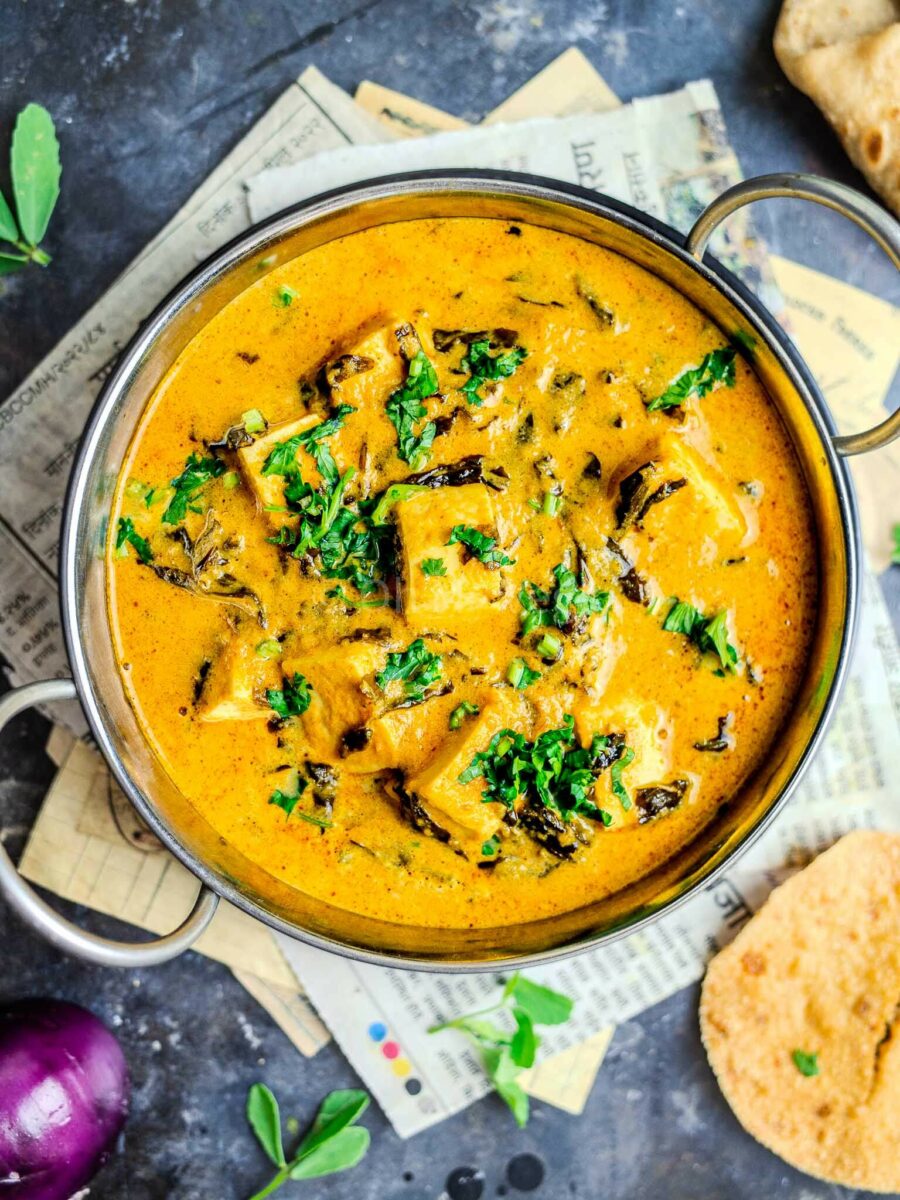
564,607
416,666
480,546
895,553
253,421
338,593
287,801
805,1062
552,504
709,634
405,408
520,676
292,699
126,535
465,709
284,296
490,847
394,495
551,771
189,484
433,566
716,368
282,460
619,789
483,367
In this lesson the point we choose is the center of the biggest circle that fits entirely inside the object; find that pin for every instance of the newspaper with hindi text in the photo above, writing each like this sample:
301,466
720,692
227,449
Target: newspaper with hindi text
668,155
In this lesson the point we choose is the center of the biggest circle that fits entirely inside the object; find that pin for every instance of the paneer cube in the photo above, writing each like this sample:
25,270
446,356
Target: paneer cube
648,733
425,522
460,806
269,489
236,683
371,367
713,503
343,693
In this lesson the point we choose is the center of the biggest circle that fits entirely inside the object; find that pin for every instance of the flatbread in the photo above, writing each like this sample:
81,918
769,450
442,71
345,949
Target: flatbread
846,57
817,970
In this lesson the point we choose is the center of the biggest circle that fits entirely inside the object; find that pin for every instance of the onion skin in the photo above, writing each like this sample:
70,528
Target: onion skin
63,1098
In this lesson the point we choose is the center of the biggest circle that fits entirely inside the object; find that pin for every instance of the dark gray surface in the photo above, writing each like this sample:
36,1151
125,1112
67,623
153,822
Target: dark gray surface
147,98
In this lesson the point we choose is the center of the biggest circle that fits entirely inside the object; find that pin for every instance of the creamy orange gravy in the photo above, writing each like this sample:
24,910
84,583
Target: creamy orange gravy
735,538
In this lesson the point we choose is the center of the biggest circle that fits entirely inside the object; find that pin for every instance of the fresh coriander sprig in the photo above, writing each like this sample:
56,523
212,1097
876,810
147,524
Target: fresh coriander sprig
405,409
480,545
35,170
483,367
506,1051
709,634
333,1143
292,699
716,368
127,535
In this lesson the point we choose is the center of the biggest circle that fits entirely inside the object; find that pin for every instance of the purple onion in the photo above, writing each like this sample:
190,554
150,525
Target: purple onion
63,1098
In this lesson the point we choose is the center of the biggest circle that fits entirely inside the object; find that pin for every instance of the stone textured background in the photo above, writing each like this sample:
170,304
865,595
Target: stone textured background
147,97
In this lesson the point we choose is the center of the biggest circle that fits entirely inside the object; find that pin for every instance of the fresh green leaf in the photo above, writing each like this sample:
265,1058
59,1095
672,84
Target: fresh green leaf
549,647
265,1121
189,484
552,771
392,495
503,1073
505,1055
338,1110
333,1143
405,409
542,1004
9,230
284,296
805,1062
36,171
12,262
338,593
620,791
465,709
480,546
552,504
292,699
484,367
895,553
343,1151
490,847
524,1044
253,421
231,480
716,368
709,634
416,666
287,801
520,676
126,534
682,618
433,566
565,607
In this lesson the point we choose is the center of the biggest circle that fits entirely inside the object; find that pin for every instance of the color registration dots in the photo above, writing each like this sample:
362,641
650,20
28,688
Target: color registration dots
391,1050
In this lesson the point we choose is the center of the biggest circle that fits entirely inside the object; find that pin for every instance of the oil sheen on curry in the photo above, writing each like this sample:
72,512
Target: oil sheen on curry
460,572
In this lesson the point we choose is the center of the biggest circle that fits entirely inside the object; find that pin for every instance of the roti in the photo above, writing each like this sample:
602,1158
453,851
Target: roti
846,58
798,1016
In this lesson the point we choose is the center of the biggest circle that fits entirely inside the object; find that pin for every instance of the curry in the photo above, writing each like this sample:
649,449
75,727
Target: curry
460,571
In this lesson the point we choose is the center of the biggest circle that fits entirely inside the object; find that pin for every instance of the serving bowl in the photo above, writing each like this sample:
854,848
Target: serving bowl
220,868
